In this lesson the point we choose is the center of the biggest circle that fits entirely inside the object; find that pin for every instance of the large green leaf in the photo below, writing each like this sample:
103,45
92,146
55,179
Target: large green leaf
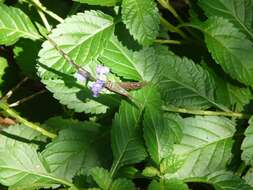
185,84
229,47
82,36
224,180
141,65
15,24
160,133
206,146
247,145
172,184
239,12
80,146
142,19
21,167
99,2
127,144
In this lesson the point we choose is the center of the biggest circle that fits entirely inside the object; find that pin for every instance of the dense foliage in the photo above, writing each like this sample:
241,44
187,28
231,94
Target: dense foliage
126,94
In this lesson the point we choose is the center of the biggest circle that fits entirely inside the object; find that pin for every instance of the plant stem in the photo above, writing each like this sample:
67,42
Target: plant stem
11,112
161,41
9,94
172,28
17,103
39,6
209,113
44,20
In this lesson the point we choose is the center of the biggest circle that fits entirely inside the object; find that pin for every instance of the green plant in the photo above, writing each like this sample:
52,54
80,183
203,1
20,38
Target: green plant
126,94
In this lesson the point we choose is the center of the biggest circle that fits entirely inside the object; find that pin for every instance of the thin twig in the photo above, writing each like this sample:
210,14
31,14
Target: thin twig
161,41
12,113
39,6
44,20
10,92
17,103
172,28
208,113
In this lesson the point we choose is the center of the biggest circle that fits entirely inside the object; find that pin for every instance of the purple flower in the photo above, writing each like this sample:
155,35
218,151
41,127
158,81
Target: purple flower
80,77
102,70
97,87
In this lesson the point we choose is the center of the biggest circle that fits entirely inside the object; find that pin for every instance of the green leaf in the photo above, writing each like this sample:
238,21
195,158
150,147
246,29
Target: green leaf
82,36
142,19
172,184
102,177
150,172
206,146
171,164
142,65
99,2
249,177
3,66
239,12
122,184
74,96
247,145
185,84
15,24
229,48
223,180
127,144
80,146
159,133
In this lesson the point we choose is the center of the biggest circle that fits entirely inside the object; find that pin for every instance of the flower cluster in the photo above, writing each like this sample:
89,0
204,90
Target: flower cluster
97,86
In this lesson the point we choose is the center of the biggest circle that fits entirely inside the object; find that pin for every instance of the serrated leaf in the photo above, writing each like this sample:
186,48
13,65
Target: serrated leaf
185,84
159,133
229,47
142,19
239,12
150,172
21,167
102,177
224,180
141,65
99,2
122,184
82,36
15,24
172,184
127,144
80,146
247,145
171,164
75,96
206,146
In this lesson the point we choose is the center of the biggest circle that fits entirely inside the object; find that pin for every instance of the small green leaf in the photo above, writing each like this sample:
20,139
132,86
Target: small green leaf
247,145
171,164
239,12
122,184
150,172
15,24
142,19
172,184
249,177
102,177
206,146
99,2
